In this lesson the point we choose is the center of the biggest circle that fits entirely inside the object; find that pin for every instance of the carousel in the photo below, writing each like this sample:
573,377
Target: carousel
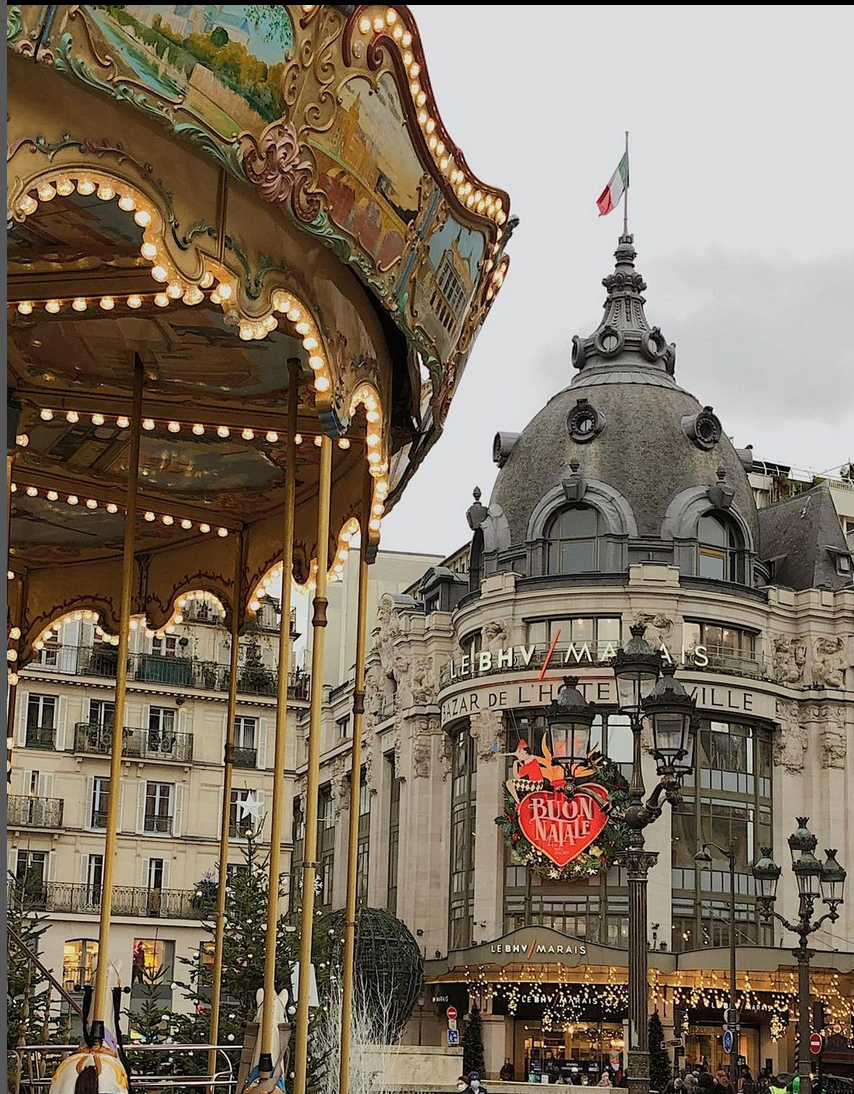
246,268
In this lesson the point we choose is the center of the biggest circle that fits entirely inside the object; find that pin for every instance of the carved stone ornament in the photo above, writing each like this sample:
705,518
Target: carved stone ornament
791,739
422,755
721,494
659,628
703,429
834,749
829,662
495,635
584,422
388,629
422,684
575,486
487,727
789,656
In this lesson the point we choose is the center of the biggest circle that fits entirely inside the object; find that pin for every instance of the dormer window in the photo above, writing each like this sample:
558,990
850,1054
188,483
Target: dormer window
718,548
573,541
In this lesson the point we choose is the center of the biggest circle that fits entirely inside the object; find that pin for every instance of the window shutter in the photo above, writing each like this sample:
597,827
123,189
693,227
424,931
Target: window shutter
88,802
61,723
46,784
260,796
262,744
67,660
84,869
146,714
177,803
119,825
87,711
51,866
167,862
143,872
23,703
87,634
140,811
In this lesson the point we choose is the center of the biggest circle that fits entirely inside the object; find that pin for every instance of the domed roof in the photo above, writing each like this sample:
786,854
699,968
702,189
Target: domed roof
622,422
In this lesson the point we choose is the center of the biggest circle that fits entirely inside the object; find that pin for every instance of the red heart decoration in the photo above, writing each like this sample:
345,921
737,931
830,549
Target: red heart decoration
560,826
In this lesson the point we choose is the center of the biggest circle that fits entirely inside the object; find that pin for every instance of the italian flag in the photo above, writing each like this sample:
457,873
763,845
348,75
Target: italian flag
610,197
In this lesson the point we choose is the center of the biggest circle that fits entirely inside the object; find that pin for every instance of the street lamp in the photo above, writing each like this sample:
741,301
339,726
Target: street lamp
570,722
815,879
704,857
646,689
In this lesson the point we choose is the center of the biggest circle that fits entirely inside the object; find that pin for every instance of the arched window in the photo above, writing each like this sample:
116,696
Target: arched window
719,547
573,541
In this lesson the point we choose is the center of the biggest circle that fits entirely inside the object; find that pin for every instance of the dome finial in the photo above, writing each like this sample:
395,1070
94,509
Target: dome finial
477,512
624,337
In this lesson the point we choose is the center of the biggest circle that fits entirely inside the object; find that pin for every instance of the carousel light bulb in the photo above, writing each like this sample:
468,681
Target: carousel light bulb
161,300
148,423
134,301
303,327
52,495
64,186
22,440
46,191
378,510
97,419
222,532
111,507
167,519
198,429
80,303
149,516
10,575
106,192
374,457
322,383
271,436
223,431
316,362
122,422
294,314
297,438
91,503
174,291
14,488
254,605
248,435
148,250
364,25
378,23
318,441
271,322
310,343
193,296
282,304
373,439
174,427
11,655
127,202
28,205
207,279
73,499
186,524
373,415
204,528
159,273
52,306
107,303
32,492
246,332
85,186
25,307
224,290
343,442
72,416
15,633
342,554
142,217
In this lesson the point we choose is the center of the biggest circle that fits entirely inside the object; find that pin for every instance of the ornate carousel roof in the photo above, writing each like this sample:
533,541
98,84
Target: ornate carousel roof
236,199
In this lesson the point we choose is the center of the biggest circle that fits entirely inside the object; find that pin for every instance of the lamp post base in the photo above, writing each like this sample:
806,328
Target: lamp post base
638,1071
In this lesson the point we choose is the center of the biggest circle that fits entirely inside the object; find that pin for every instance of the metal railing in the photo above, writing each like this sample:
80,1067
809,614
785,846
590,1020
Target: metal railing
182,672
142,744
34,812
42,896
246,757
720,659
41,737
158,823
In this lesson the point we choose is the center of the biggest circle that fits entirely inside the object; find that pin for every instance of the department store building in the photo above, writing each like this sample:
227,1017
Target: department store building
623,501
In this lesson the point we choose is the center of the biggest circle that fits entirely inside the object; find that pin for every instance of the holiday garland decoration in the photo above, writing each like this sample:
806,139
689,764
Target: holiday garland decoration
564,821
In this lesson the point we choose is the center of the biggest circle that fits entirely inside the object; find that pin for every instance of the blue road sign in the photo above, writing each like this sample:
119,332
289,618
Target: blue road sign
453,1036
729,1040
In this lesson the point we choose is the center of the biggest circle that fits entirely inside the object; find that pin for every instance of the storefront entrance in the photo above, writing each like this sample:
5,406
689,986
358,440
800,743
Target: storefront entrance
579,1051
704,1045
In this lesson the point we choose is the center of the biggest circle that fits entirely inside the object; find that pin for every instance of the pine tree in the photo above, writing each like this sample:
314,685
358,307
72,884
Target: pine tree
659,1059
150,1025
27,991
473,1059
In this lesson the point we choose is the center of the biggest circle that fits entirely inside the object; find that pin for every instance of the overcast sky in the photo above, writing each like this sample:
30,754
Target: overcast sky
741,206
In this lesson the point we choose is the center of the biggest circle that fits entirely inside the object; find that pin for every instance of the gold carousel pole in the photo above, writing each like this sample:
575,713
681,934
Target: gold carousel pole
228,772
99,1003
266,1062
309,869
355,783
14,670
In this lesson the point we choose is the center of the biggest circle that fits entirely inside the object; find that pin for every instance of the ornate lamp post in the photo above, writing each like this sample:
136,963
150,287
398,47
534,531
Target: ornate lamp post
570,722
704,856
648,689
815,879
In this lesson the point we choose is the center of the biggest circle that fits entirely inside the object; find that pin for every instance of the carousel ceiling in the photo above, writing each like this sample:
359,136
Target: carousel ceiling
239,199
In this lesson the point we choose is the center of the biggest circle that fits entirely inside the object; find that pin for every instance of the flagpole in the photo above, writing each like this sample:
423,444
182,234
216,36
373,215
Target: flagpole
626,191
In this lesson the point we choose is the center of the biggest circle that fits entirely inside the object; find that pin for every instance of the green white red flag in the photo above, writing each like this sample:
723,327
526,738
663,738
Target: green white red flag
609,199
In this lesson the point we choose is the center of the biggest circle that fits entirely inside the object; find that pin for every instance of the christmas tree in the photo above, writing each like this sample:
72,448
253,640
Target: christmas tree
473,1044
151,1025
659,1060
27,991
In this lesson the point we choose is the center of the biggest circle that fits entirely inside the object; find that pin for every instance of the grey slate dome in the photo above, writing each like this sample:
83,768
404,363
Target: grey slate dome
625,440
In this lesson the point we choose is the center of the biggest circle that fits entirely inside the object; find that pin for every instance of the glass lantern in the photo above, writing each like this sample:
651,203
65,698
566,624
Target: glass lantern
766,873
570,721
832,880
672,711
636,667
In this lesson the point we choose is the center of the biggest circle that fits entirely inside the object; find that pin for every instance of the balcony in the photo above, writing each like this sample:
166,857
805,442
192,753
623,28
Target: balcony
26,812
41,737
723,659
246,757
127,901
161,825
137,744
179,672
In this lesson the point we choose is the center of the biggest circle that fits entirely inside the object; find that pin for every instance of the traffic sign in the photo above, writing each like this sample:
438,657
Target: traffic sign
452,1023
731,1016
816,1043
453,1036
451,1013
729,1040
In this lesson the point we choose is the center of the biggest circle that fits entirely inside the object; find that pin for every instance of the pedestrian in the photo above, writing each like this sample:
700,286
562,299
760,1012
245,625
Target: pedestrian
606,1079
507,1072
475,1083
722,1084
138,965
463,1084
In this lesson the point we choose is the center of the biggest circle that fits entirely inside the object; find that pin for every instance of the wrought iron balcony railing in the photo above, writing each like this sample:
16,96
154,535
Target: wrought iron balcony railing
127,900
158,823
41,737
246,757
32,812
141,744
182,672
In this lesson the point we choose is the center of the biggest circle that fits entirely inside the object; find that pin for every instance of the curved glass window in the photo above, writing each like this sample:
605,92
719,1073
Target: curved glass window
463,816
718,549
573,541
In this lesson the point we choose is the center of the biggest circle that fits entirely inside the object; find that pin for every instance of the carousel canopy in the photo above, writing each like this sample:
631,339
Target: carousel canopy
233,200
